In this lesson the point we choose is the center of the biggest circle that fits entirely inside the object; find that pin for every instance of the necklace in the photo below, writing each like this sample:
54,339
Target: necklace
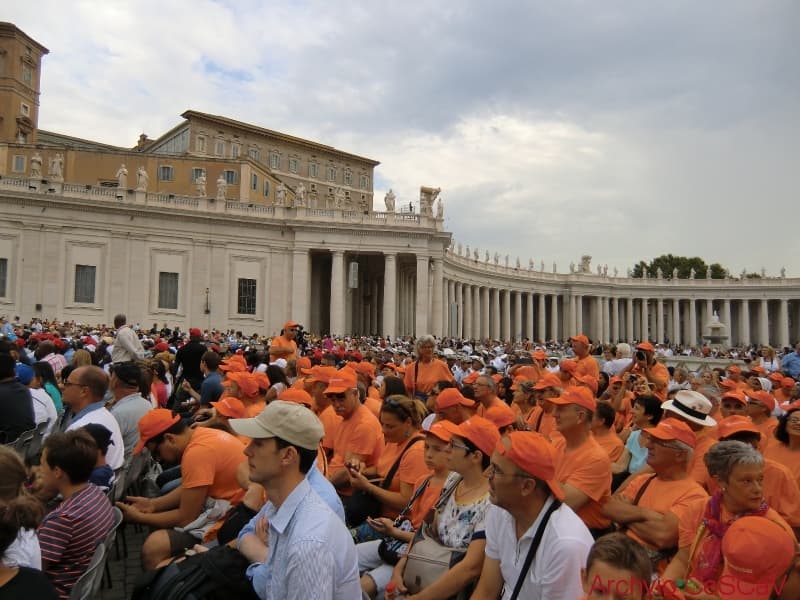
464,490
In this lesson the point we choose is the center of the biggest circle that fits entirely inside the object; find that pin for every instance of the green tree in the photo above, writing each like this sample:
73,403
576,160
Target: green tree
668,263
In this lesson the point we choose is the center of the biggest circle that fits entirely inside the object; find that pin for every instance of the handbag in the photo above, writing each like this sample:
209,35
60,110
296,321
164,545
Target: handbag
360,504
390,549
428,558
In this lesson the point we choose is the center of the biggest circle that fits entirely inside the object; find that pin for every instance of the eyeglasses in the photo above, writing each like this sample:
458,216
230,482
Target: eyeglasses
476,384
451,444
75,383
493,470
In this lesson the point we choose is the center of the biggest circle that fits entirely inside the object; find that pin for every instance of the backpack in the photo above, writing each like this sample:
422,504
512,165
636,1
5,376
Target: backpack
218,574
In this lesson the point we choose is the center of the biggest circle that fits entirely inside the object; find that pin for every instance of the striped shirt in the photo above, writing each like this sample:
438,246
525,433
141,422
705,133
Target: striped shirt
69,535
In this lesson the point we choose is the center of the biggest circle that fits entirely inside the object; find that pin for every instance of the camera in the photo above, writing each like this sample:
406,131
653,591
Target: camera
640,355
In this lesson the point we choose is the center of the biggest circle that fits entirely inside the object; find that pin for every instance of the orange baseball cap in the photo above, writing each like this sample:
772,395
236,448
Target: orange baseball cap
758,369
248,384
443,430
497,378
788,382
261,380
775,376
364,368
297,395
234,364
303,362
451,397
589,381
323,374
763,397
152,424
582,396
672,429
501,415
734,369
735,424
481,432
735,395
230,407
580,338
532,453
646,346
728,384
568,366
344,380
539,355
547,381
290,324
757,552
471,378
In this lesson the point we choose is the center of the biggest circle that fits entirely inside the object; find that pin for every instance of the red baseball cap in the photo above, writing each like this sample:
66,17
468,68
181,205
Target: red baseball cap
763,397
735,424
152,424
443,430
532,453
580,338
672,429
161,347
451,397
481,432
230,407
582,396
195,332
345,380
501,415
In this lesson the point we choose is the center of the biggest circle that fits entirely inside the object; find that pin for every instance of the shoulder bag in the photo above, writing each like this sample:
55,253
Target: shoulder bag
391,549
537,540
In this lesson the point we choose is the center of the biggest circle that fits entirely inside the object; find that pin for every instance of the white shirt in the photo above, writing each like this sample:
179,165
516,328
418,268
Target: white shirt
24,551
615,366
44,411
555,573
116,451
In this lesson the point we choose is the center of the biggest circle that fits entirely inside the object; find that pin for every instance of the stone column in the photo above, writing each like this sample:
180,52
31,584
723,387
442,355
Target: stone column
676,321
660,321
421,326
606,317
726,319
763,323
615,320
467,294
744,321
300,310
516,327
645,334
542,318
506,321
571,316
629,320
337,317
451,293
436,298
783,323
495,330
460,310
709,313
578,314
692,339
485,312
476,311
554,331
529,329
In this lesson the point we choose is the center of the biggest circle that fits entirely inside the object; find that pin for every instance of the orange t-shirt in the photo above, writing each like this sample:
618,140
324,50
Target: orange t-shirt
495,401
612,445
587,366
374,405
767,429
587,468
211,459
622,419
705,439
412,468
330,422
790,459
360,434
663,497
427,376
660,371
425,501
282,342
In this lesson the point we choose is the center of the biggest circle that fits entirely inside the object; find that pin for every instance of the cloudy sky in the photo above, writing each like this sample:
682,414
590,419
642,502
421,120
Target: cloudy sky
623,130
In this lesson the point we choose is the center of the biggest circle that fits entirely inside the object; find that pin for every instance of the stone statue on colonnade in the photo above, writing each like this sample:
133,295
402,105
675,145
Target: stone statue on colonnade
427,196
496,258
440,209
692,273
389,200
200,184
56,168
142,179
222,186
122,177
36,166
300,195
659,273
280,195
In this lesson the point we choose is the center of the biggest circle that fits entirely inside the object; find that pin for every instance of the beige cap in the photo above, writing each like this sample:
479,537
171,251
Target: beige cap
289,421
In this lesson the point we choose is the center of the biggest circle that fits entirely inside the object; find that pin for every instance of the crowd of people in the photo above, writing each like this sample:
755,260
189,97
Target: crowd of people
426,469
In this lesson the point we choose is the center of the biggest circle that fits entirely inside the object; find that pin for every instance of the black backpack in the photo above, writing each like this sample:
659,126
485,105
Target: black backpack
218,574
